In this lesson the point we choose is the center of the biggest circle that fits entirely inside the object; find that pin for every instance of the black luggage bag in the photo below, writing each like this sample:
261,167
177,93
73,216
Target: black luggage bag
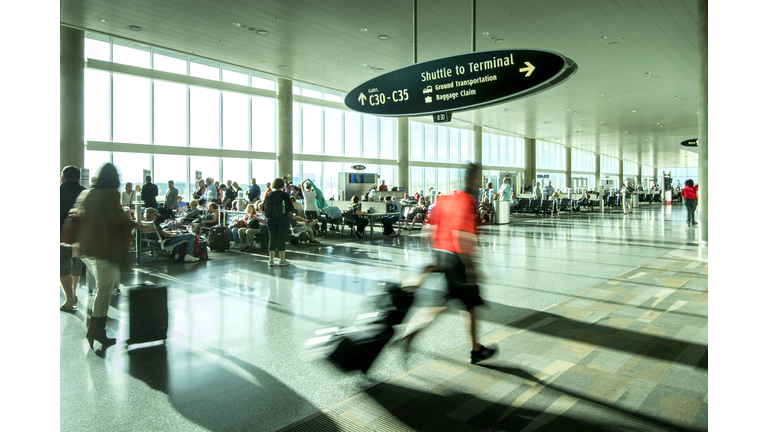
218,237
356,348
147,313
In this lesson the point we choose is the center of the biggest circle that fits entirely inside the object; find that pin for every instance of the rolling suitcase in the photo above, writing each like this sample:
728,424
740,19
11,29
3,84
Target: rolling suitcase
356,348
218,237
147,313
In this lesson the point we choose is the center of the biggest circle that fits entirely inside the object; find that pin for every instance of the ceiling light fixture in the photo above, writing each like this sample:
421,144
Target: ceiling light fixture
364,65
500,40
261,32
236,24
135,28
603,37
363,29
102,20
611,44
282,66
383,37
379,69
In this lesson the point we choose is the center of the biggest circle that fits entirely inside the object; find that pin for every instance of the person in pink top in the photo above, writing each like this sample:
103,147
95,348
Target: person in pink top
690,200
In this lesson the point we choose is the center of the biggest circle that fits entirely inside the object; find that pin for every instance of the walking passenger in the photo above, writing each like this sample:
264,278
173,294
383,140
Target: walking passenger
70,267
103,240
626,197
453,243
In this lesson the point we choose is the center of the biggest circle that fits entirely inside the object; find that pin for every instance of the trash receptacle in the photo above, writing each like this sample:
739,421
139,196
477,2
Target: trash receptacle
501,211
635,201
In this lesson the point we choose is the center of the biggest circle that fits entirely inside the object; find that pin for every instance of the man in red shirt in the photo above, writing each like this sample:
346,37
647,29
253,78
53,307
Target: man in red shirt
383,186
453,242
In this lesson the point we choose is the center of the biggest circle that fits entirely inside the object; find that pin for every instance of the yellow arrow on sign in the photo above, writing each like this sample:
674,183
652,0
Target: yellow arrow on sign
528,69
362,98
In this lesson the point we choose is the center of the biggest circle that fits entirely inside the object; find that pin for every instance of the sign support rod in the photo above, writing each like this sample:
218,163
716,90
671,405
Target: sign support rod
473,44
415,20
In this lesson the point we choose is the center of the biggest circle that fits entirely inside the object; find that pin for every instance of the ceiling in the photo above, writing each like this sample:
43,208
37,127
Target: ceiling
634,96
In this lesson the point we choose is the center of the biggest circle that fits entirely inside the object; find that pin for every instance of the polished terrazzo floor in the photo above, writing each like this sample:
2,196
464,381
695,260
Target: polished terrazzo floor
584,309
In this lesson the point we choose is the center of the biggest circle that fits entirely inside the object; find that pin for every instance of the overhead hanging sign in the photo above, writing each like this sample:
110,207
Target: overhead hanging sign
460,83
693,142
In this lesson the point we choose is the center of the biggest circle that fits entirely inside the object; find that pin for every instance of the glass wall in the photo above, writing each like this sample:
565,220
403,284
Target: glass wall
680,175
550,156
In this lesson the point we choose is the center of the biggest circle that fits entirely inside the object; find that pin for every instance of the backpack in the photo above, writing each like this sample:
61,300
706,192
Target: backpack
274,205
391,207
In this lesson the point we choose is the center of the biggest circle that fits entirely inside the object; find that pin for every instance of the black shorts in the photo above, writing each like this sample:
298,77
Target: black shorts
453,268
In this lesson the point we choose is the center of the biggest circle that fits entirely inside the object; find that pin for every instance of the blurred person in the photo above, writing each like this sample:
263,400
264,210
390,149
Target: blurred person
138,189
93,181
103,238
254,225
229,184
383,186
278,209
209,219
149,193
228,197
267,190
69,266
453,243
391,206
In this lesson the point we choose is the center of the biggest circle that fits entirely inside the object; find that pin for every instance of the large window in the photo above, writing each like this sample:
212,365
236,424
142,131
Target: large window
582,161
170,113
609,164
417,141
130,105
234,121
550,156
130,167
311,127
351,133
333,131
203,117
263,124
171,167
97,107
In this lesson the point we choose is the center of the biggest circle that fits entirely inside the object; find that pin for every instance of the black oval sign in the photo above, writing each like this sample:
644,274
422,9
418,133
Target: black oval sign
461,82
693,142
358,167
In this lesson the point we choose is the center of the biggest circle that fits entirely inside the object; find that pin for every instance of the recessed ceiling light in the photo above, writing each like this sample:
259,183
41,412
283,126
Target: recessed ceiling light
603,37
282,66
261,32
383,37
236,24
485,33
102,20
634,111
364,65
363,29
611,43
379,69
500,40
135,28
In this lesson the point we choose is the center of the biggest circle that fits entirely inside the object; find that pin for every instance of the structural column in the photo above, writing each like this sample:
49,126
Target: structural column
621,172
639,173
529,166
598,174
703,143
477,152
284,128
72,97
568,182
403,155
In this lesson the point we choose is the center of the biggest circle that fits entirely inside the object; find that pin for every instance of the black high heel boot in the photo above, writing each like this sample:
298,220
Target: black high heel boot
97,331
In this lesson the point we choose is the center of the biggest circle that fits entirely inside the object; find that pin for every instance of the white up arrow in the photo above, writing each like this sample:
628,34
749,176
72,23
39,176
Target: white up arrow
528,69
362,99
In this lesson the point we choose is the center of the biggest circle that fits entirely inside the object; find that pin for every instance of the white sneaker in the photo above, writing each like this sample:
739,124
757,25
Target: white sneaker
190,258
284,262
271,262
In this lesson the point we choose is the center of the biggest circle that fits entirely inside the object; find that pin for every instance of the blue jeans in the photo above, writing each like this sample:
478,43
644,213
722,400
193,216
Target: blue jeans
278,232
181,237
388,221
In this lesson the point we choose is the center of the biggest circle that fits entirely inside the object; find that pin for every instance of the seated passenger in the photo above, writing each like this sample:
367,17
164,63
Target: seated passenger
210,218
298,206
417,213
484,210
304,225
357,212
150,214
190,214
391,207
582,201
254,224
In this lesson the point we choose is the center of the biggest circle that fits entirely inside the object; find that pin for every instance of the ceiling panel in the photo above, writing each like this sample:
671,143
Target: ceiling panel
320,42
